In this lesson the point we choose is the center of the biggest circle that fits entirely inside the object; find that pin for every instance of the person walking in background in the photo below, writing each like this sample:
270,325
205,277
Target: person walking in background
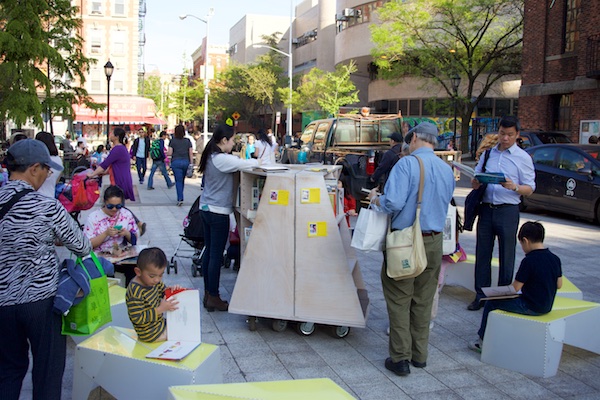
216,203
48,188
264,148
181,153
157,154
250,147
140,150
409,301
388,160
29,274
499,213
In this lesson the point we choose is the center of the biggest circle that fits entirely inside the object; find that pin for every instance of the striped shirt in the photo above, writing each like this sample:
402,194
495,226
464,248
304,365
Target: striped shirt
142,302
29,264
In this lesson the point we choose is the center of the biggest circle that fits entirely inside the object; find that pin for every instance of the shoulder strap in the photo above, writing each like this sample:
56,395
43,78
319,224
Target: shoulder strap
421,182
16,197
485,159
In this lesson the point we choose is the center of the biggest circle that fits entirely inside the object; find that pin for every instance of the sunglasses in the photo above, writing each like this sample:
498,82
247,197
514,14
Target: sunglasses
111,206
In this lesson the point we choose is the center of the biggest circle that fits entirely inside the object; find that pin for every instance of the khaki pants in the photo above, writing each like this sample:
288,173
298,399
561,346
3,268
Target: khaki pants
409,304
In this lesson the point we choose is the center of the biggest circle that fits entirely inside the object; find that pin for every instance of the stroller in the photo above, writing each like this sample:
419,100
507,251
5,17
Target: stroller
78,193
193,235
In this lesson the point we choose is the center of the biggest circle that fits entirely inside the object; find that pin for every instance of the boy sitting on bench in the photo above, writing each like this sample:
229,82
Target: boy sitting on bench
538,278
145,296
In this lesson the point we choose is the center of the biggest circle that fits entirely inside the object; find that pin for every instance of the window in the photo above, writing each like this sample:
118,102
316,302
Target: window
502,107
572,161
118,85
96,41
564,104
573,8
96,7
485,108
544,156
320,136
119,7
96,79
415,107
345,131
403,106
118,43
308,133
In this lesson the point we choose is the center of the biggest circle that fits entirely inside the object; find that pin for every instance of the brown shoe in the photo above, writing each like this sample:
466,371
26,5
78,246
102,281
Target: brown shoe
215,303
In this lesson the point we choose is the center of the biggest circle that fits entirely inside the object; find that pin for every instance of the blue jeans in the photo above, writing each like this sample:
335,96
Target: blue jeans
179,167
140,166
37,327
159,164
502,223
516,305
216,232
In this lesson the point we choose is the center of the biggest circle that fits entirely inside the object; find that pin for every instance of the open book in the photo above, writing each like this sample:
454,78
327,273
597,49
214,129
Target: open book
183,327
499,292
483,177
272,168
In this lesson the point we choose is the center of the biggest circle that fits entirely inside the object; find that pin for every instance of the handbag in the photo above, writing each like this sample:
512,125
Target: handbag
449,244
405,249
370,230
190,171
474,199
93,312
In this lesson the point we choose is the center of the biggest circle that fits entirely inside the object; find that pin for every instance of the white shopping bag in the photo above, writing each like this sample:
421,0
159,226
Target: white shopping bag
449,246
370,230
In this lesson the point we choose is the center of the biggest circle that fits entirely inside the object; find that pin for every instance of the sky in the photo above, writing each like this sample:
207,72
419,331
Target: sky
168,37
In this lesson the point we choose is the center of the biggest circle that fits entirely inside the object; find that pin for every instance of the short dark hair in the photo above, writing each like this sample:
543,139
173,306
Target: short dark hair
113,191
532,231
508,121
152,256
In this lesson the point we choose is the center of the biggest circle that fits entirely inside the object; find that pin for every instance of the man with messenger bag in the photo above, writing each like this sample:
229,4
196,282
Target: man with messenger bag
409,300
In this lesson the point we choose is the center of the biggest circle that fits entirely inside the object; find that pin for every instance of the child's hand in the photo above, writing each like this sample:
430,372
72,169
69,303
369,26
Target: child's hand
351,213
169,304
175,288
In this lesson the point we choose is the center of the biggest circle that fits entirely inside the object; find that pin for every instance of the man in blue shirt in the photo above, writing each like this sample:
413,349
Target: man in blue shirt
499,214
409,301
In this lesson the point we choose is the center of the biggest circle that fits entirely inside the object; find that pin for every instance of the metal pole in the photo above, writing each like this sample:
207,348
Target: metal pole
107,111
454,136
206,89
290,71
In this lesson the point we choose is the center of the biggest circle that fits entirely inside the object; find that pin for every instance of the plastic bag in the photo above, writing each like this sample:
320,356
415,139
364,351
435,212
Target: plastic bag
370,230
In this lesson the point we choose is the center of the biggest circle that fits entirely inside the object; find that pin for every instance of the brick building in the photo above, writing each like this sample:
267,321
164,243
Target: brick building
561,66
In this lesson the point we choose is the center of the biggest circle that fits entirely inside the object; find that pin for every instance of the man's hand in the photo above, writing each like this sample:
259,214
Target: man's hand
475,183
509,184
373,193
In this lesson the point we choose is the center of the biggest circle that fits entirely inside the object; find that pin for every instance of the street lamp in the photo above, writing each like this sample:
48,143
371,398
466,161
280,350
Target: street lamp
108,71
289,56
211,12
455,84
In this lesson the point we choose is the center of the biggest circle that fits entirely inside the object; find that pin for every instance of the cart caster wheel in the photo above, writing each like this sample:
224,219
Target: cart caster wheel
197,261
175,266
194,270
339,332
305,328
252,323
279,325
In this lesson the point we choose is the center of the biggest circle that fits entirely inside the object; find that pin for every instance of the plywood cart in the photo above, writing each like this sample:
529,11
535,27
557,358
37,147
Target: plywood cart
297,263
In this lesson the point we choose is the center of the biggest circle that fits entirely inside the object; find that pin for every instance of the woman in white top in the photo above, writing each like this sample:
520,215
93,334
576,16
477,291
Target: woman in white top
216,203
264,149
49,186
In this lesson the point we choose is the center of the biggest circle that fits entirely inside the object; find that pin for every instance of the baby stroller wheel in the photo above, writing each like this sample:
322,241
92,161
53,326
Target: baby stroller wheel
172,265
194,270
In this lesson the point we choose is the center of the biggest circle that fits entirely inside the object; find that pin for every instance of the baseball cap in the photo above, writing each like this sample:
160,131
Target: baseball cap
427,128
29,151
396,137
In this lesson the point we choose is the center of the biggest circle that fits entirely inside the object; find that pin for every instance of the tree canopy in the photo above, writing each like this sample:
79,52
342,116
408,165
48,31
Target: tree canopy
480,40
43,67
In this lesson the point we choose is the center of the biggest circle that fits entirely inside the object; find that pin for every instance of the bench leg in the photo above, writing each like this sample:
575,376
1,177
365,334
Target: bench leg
582,330
522,345
82,384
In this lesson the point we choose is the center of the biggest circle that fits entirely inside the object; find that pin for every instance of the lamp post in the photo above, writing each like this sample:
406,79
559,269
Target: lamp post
211,12
289,56
455,84
108,71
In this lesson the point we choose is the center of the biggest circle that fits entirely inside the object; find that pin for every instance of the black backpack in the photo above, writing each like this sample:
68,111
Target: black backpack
193,228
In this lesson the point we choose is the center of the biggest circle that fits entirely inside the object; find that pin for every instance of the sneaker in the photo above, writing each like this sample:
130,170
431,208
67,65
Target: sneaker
387,331
476,346
431,325
179,203
171,185
150,188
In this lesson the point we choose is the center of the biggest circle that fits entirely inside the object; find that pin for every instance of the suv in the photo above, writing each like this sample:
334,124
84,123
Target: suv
535,138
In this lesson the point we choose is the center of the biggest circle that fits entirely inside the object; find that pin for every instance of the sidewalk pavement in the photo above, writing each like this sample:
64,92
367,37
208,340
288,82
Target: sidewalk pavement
356,363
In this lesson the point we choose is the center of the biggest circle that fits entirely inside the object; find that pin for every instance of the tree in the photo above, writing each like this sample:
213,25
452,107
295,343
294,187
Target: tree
326,91
41,53
187,102
480,40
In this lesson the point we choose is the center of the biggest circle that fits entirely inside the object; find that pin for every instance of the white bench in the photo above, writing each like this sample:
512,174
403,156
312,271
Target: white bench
463,274
533,345
314,389
116,361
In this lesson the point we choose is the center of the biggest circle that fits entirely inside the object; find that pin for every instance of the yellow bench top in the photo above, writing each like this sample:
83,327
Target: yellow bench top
313,389
562,307
123,342
116,294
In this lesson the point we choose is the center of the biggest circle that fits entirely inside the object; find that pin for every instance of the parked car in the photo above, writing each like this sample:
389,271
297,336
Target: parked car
567,179
535,138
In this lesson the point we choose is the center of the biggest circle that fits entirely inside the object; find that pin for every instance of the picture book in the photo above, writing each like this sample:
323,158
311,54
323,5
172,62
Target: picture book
183,327
483,177
499,292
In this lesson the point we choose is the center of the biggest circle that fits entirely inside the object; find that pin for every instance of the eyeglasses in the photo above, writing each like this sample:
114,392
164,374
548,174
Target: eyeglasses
111,206
48,169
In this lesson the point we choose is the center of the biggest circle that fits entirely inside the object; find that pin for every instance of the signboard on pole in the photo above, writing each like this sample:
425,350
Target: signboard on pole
278,117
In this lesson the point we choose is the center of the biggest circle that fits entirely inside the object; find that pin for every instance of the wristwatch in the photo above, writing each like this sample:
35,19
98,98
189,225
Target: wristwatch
516,189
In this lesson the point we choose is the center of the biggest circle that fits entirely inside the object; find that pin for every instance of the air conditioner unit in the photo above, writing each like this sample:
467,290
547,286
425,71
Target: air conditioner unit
348,12
295,41
340,17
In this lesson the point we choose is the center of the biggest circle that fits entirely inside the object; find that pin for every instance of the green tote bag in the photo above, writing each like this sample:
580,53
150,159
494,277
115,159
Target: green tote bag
93,312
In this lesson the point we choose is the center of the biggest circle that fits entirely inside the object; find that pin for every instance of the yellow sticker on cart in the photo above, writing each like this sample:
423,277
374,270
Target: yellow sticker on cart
317,229
279,197
310,196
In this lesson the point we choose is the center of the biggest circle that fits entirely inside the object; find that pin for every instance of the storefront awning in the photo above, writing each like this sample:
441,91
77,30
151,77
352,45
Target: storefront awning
132,110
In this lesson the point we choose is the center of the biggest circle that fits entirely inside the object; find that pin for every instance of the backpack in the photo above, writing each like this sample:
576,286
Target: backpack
156,152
